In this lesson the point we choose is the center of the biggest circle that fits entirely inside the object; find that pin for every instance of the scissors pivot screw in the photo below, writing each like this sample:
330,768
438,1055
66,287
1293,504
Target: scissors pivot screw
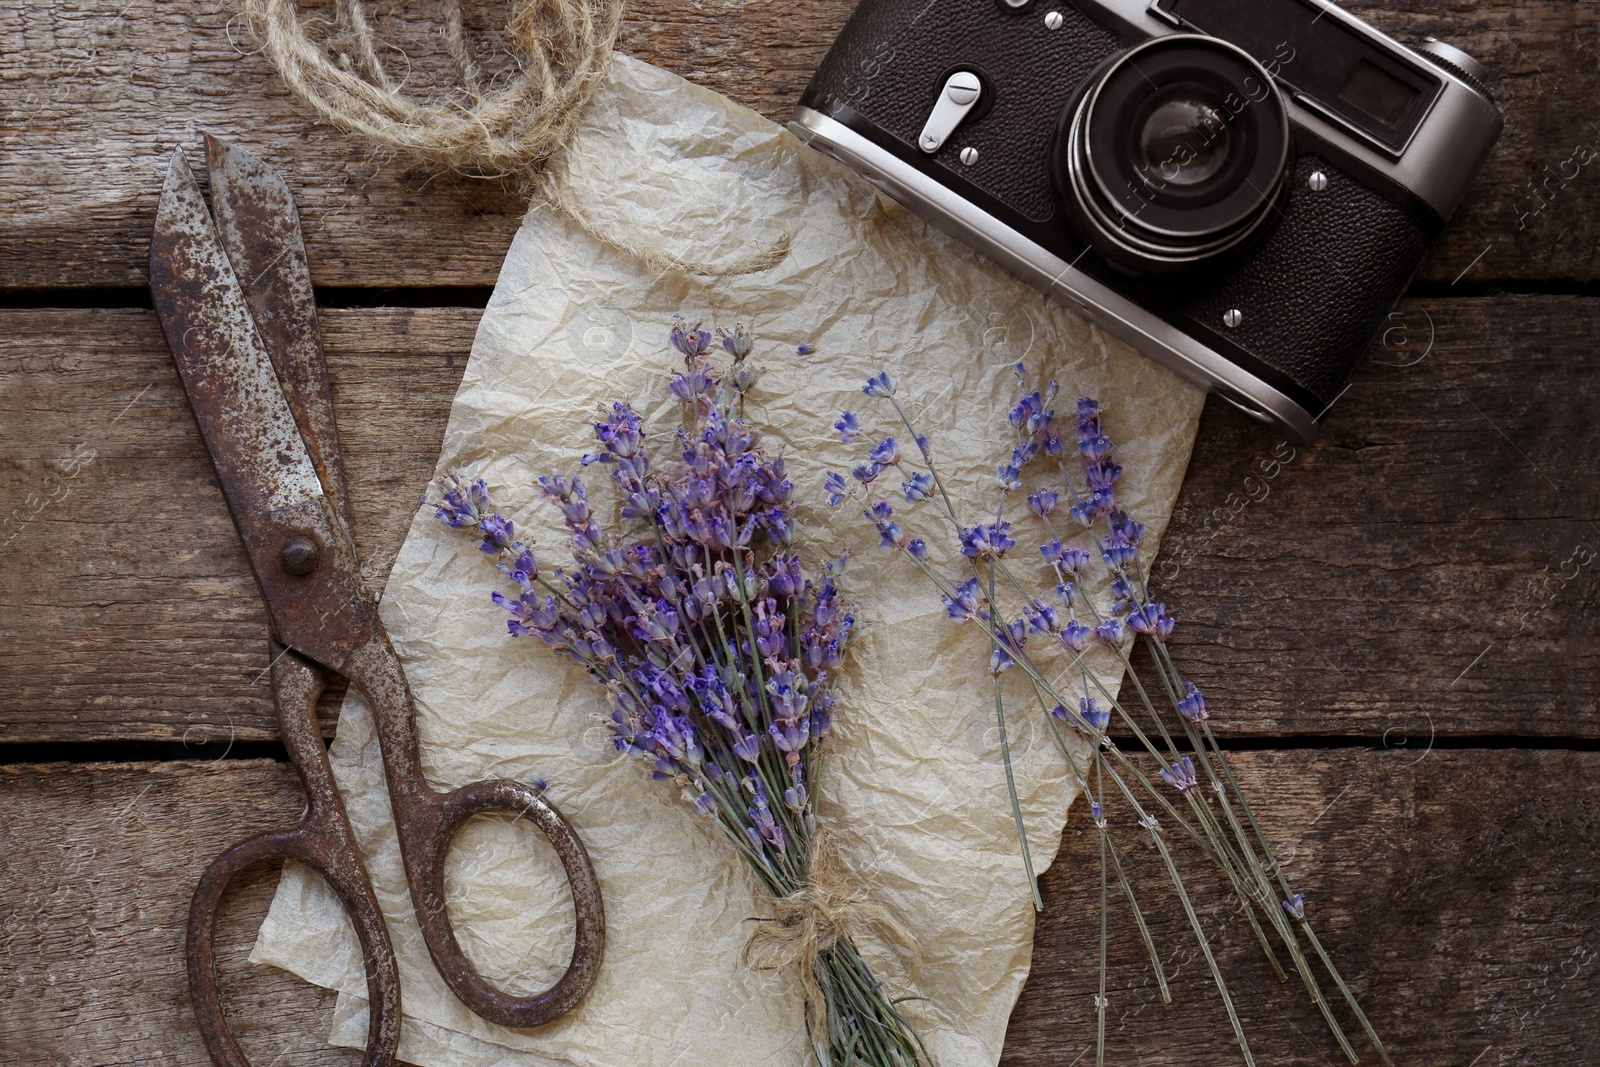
300,556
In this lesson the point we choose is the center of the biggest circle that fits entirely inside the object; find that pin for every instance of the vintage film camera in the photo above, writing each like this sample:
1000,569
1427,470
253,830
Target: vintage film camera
1242,189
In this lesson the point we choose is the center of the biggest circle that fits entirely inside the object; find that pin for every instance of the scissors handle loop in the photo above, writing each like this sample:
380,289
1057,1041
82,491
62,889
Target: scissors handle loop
324,842
434,821
427,821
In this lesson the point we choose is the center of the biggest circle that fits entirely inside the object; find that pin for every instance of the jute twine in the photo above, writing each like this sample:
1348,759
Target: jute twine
512,128
515,127
805,924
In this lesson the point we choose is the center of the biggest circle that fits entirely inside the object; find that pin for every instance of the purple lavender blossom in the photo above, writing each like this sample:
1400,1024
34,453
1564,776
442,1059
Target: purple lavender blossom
692,341
836,487
461,505
964,605
1065,561
522,568
982,541
1074,636
1117,552
748,747
1152,620
1029,413
848,426
737,342
879,384
1041,617
1181,777
867,473
497,533
1093,715
1193,705
885,453
1111,632
1094,445
1010,640
1099,501
1124,528
765,828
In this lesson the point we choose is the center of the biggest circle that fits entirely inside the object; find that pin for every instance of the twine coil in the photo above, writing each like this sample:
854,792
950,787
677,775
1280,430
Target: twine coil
514,128
805,924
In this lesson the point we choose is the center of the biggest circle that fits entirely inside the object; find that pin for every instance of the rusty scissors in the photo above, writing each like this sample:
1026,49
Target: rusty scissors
234,296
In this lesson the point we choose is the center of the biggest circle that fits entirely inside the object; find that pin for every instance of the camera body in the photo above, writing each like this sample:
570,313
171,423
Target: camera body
1242,189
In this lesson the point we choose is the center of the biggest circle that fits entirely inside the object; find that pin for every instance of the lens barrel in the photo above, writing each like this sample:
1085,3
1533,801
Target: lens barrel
1173,153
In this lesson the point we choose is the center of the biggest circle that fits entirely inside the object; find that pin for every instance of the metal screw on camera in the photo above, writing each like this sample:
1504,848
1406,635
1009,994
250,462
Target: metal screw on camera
969,155
1232,317
1054,20
1318,181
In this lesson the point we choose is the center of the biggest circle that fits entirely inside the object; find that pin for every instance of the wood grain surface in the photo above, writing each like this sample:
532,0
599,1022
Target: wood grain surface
98,93
1389,603
1400,620
1459,904
129,569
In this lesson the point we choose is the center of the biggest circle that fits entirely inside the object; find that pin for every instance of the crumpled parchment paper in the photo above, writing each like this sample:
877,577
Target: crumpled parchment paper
913,784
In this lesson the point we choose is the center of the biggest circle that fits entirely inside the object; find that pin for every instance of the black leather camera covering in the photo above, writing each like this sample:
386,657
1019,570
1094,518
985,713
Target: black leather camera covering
892,57
1313,293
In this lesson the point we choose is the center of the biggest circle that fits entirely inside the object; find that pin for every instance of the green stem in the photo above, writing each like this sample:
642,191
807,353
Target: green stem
1205,947
1011,788
1349,997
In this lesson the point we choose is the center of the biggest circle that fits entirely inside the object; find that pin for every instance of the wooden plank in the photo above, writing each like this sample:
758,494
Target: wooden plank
130,612
1456,892
99,92
97,879
1429,566
1413,573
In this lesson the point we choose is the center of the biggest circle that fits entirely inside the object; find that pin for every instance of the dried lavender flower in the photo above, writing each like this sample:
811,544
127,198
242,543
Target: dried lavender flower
992,592
716,647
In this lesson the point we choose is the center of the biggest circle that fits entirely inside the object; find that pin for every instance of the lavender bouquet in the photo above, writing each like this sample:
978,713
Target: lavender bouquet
1041,619
718,653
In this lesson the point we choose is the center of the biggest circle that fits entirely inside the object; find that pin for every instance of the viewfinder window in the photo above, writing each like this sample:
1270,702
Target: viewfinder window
1378,93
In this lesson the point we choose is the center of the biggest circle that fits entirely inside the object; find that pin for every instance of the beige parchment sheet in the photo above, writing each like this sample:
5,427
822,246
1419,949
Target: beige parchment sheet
912,784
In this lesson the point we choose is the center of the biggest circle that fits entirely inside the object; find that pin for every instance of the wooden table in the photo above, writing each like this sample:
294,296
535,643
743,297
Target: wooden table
1399,627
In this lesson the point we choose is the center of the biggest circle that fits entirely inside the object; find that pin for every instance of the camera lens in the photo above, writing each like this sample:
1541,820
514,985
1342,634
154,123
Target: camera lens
1173,153
1174,148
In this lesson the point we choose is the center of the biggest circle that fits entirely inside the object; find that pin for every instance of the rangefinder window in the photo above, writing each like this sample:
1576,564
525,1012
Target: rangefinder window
1350,78
1379,94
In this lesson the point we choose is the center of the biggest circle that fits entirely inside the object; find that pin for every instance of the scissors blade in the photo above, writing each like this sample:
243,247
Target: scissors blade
267,474
260,231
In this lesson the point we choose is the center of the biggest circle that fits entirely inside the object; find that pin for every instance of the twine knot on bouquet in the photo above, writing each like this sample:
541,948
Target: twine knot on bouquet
827,909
